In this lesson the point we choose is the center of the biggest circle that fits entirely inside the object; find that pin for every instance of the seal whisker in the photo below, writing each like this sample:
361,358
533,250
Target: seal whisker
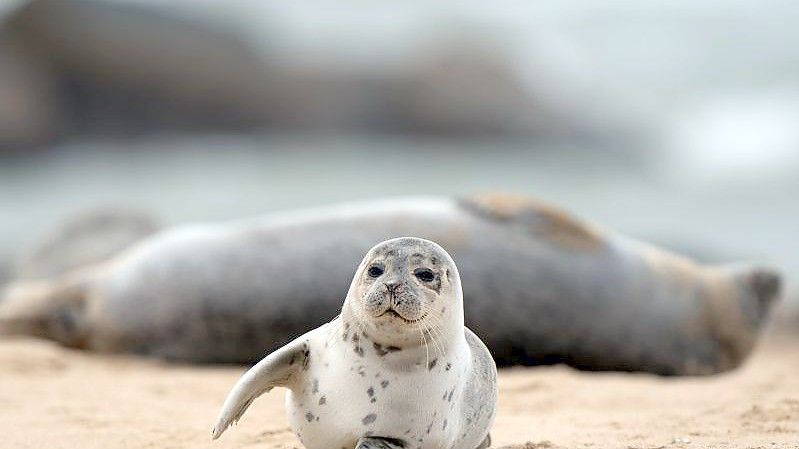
435,335
434,329
436,345
436,323
426,349
441,336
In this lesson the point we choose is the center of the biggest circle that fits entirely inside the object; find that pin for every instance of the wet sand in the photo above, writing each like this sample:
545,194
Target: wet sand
58,398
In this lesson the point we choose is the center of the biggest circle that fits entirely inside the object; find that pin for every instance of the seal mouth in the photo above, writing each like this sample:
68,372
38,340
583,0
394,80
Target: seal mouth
394,314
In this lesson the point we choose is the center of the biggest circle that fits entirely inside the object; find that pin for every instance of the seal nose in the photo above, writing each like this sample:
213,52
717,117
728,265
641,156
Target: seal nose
392,286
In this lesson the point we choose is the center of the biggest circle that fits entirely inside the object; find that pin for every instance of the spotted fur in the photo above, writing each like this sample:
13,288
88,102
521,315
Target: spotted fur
349,397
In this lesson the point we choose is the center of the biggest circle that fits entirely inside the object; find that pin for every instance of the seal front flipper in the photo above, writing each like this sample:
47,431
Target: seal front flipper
275,370
379,443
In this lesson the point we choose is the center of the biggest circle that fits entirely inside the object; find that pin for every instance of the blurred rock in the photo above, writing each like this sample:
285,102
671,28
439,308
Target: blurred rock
28,103
122,68
467,85
92,67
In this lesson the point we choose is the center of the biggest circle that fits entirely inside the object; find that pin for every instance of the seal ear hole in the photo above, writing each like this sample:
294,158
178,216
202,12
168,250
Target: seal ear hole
375,271
424,274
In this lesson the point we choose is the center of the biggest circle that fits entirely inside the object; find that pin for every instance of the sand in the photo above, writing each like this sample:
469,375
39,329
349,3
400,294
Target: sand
52,397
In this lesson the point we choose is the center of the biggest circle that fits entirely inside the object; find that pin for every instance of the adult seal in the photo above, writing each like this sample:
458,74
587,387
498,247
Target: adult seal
542,287
397,369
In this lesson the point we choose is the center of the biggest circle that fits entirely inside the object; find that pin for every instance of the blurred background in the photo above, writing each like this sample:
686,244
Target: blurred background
673,121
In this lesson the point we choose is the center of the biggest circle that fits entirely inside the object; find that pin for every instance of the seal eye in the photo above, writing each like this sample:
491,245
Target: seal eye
375,271
424,274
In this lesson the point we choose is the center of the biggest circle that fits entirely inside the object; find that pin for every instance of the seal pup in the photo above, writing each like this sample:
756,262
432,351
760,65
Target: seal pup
397,369
542,287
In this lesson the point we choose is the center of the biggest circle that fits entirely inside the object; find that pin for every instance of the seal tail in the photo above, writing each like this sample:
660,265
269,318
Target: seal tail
761,285
740,308
51,309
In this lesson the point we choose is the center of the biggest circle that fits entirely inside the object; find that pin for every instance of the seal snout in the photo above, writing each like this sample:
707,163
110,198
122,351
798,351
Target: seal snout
393,299
393,288
397,302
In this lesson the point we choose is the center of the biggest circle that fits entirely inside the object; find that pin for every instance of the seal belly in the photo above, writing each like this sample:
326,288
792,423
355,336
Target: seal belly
346,398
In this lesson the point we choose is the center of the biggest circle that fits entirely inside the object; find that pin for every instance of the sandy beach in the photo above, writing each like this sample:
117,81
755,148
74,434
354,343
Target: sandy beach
58,398
126,125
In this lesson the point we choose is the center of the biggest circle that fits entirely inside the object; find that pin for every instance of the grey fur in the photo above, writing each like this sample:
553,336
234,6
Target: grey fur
540,288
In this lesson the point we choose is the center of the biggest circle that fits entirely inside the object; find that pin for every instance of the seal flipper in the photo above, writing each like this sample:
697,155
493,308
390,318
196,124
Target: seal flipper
766,284
760,287
275,370
52,309
379,443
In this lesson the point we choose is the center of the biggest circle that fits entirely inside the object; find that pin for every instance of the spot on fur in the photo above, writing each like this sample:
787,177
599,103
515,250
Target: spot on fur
369,419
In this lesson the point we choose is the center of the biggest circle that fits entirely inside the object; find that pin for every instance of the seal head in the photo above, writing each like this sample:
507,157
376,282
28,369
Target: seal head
402,288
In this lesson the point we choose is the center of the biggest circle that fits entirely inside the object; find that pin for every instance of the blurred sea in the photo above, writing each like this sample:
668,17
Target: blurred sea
222,177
